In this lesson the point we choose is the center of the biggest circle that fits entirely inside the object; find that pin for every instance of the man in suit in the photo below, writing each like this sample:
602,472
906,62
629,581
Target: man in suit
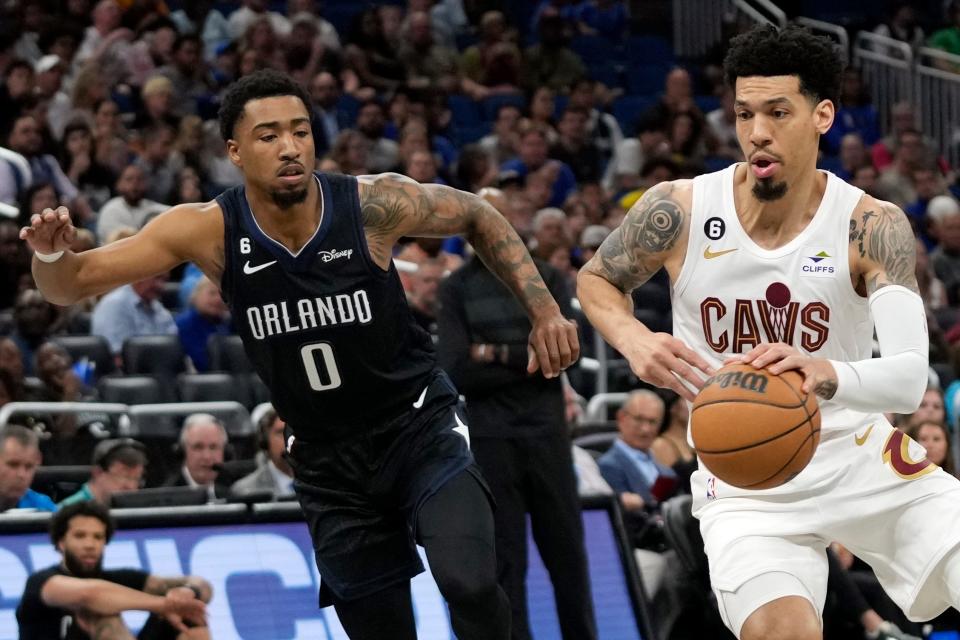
640,481
273,475
328,120
203,440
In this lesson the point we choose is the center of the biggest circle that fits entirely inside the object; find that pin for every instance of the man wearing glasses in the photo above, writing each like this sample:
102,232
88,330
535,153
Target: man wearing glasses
118,465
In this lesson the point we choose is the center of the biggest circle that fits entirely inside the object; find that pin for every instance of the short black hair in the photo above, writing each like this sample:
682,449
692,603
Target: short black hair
266,83
60,522
792,51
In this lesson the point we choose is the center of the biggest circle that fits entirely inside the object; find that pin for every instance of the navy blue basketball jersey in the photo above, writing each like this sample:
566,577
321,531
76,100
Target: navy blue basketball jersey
327,329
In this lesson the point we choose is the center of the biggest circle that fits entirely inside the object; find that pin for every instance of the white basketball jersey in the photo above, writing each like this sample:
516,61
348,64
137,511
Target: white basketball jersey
732,294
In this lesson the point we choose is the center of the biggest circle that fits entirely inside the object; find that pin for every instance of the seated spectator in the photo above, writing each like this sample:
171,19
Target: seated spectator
187,73
203,440
371,123
422,167
896,181
855,113
543,106
118,465
10,389
671,448
265,44
629,466
723,127
503,142
11,361
206,316
853,155
677,98
273,474
34,199
551,63
14,262
327,119
492,66
158,105
687,137
928,183
33,321
251,11
421,289
475,169
931,408
902,118
26,139
865,178
590,481
79,599
576,148
532,156
605,18
428,64
160,165
130,208
931,288
549,233
19,459
17,89
901,24
935,438
948,38
603,128
944,212
325,31
370,57
110,136
93,179
351,152
132,310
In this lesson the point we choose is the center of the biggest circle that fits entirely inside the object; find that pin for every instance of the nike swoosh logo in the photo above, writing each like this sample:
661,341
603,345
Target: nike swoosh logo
419,402
861,439
248,269
710,255
462,429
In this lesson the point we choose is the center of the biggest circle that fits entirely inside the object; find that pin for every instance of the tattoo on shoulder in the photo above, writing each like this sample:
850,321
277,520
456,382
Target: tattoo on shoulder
633,253
885,237
382,212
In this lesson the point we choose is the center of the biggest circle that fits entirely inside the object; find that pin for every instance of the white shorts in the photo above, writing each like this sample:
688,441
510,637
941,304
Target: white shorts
736,606
870,489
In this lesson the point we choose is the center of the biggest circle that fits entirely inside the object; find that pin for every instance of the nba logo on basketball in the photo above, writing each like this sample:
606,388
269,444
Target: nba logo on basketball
711,488
774,318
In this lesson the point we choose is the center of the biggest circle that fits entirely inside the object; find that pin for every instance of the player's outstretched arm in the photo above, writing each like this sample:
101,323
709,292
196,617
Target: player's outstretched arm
192,232
394,206
651,234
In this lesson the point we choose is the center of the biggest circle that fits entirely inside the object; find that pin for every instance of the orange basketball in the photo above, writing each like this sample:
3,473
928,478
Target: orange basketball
753,429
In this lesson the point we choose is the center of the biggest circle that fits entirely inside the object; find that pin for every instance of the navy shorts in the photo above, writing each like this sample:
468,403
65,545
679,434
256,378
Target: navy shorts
361,496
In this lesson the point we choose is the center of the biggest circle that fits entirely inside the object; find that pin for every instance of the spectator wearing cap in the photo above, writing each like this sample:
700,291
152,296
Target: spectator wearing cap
206,316
50,70
532,156
591,239
944,214
19,459
273,474
202,442
118,465
130,208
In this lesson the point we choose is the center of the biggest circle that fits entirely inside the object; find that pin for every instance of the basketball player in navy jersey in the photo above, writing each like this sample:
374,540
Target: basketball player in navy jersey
379,453
779,265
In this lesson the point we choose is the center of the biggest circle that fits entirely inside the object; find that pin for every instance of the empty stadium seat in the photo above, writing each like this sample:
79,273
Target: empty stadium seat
259,393
599,442
130,389
96,349
158,356
226,354
210,387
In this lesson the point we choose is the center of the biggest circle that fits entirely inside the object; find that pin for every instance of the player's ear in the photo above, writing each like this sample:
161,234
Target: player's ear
233,152
823,114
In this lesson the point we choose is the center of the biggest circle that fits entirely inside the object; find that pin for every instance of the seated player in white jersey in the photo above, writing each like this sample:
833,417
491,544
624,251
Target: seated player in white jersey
782,266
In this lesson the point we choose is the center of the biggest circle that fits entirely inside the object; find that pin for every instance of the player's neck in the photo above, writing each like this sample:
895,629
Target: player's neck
294,226
774,223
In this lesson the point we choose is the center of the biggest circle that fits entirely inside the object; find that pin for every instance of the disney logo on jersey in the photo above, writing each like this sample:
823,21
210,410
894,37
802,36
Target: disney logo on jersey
776,317
818,264
329,256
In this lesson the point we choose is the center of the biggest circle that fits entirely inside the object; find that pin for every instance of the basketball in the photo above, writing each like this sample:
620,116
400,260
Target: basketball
753,429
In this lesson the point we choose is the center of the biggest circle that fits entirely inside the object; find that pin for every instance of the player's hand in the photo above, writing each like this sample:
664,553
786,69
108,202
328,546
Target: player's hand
553,345
631,501
666,362
777,357
50,231
181,605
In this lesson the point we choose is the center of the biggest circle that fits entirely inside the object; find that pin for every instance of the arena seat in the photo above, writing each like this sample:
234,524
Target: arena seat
648,49
259,393
626,109
159,356
227,354
96,349
647,78
598,442
209,387
463,110
130,389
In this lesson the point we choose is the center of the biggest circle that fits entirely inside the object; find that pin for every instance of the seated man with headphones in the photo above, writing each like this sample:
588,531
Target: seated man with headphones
203,440
118,465
273,475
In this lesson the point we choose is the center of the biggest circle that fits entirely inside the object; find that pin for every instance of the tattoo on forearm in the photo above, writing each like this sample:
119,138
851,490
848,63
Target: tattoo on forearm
159,586
825,389
889,242
632,254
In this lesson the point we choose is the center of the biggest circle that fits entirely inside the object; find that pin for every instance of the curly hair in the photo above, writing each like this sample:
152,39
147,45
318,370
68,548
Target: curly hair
793,51
259,84
60,523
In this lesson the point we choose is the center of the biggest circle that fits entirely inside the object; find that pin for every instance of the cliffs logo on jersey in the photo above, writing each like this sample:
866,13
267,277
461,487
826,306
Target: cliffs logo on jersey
774,318
309,313
818,264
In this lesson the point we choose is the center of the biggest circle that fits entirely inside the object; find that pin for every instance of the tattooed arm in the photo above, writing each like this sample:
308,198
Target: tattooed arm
886,249
393,206
161,586
652,236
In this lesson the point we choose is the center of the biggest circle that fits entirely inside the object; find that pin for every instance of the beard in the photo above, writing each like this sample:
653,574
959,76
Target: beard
78,569
766,190
286,199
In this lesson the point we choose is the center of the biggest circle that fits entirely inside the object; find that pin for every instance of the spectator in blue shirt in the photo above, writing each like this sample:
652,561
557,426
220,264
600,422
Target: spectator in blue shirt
533,157
132,310
19,459
855,113
604,18
207,315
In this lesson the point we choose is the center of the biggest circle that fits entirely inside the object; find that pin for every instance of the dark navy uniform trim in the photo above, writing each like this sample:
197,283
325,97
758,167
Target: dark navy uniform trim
302,259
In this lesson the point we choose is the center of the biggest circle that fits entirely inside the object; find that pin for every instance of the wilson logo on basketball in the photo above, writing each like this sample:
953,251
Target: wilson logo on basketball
774,318
747,381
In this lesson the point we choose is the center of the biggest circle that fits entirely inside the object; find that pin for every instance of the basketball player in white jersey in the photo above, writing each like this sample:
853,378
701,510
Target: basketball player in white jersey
782,266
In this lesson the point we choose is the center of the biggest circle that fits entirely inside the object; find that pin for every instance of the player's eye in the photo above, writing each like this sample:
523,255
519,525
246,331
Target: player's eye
743,115
301,134
780,114
268,138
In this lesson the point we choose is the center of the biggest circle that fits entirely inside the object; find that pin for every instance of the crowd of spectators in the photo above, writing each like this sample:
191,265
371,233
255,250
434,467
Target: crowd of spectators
110,108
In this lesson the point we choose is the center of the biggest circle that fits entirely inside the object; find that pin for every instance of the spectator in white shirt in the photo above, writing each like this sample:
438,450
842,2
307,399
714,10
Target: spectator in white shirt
130,208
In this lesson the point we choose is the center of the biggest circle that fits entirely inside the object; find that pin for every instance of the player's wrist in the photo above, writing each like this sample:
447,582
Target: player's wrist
48,258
